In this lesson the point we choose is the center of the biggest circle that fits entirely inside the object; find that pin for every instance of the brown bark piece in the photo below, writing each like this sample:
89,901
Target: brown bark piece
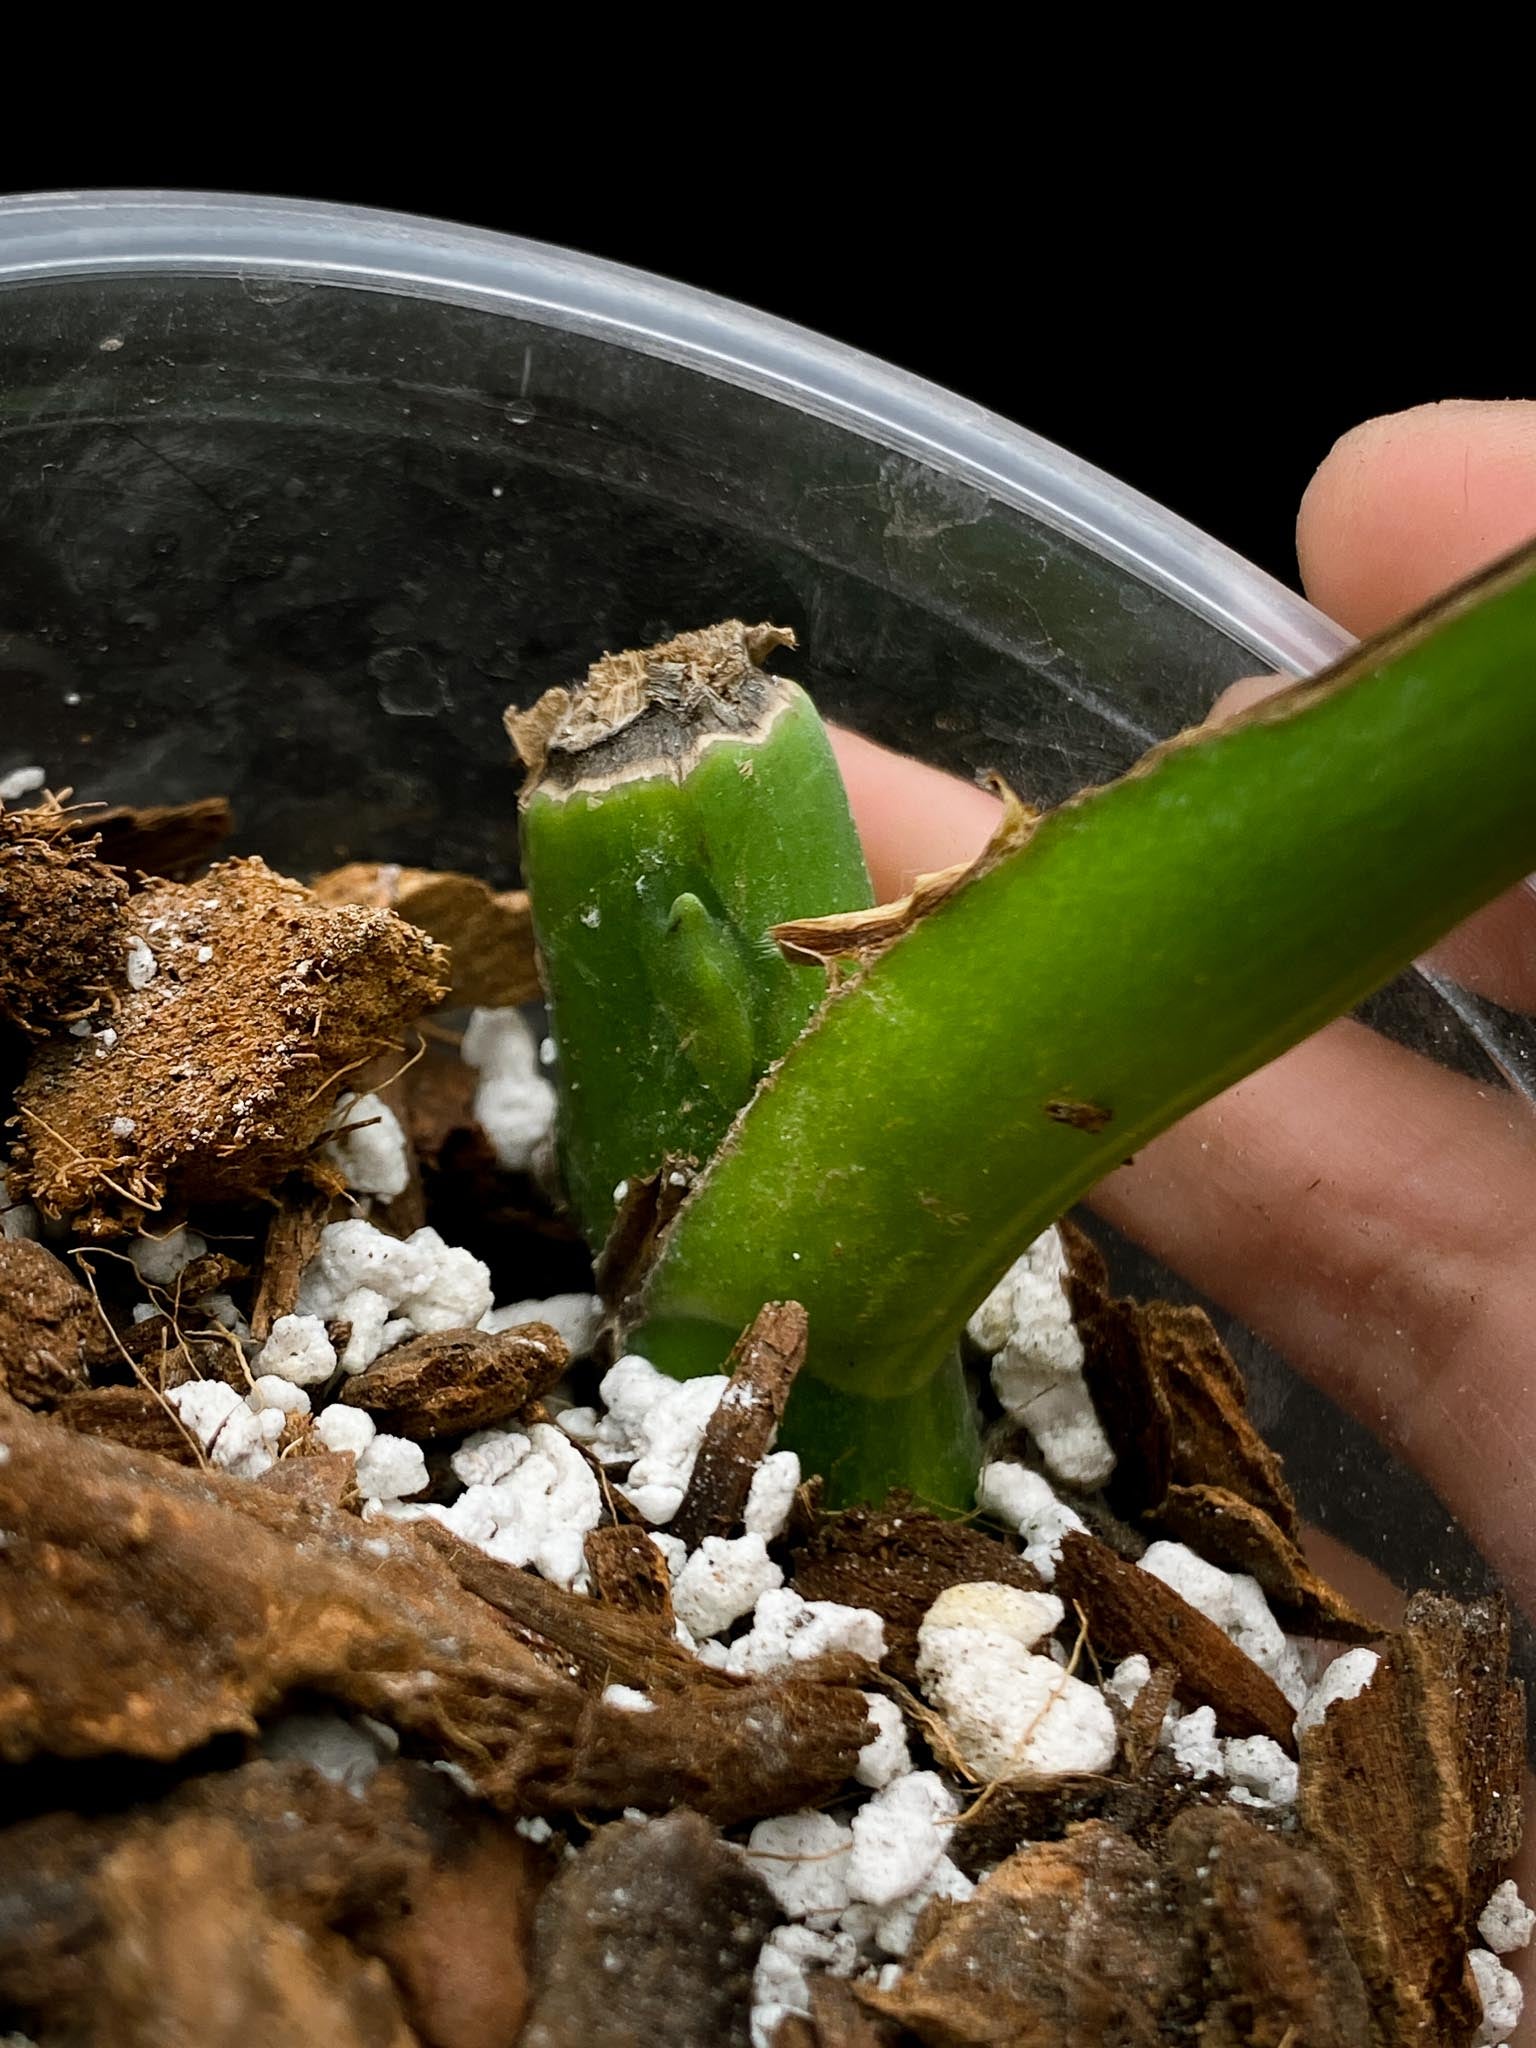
629,1251
448,1382
603,1643
146,1609
1214,1442
61,937
490,936
1469,1642
1129,1398
1240,1537
1275,1969
226,1064
134,1416
897,1561
627,1571
293,1237
321,1854
315,1476
740,1432
461,1951
1127,1610
1067,1943
1017,1811
1143,1723
49,1327
738,1754
1382,1802
192,1953
170,841
651,1934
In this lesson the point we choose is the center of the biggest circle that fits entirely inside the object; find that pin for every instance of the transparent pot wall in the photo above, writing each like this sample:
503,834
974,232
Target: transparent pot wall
299,540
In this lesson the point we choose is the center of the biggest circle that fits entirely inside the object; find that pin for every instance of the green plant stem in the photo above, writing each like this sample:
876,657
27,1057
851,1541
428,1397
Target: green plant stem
1148,944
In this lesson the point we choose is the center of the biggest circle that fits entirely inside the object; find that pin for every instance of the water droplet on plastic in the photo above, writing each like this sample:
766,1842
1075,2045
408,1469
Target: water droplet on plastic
409,686
520,411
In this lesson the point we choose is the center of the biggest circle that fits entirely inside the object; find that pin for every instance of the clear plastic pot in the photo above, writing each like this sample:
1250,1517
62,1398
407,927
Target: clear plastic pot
294,499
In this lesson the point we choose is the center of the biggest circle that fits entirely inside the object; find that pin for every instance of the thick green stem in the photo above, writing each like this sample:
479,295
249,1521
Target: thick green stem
679,805
1139,950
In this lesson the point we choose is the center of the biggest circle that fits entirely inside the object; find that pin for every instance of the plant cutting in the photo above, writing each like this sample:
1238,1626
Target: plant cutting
995,1044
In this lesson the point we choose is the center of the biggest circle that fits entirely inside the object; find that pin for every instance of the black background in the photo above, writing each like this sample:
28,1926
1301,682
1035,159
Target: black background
1197,332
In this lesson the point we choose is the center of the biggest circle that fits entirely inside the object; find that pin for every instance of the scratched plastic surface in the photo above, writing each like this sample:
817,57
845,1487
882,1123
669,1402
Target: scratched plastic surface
293,501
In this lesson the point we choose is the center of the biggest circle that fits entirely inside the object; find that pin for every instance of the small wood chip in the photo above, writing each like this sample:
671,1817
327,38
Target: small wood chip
448,1382
1383,1801
490,936
1128,1610
1016,1811
897,1561
129,1415
1214,1440
172,841
300,1213
1240,1537
741,1430
1469,1642
49,1326
650,1934
627,1571
634,1238
1143,1722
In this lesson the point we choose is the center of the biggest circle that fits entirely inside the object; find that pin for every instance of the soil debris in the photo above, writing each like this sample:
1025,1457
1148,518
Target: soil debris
134,1416
49,1328
250,1004
448,1382
1127,1611
61,947
740,1432
650,1934
300,1213
897,1560
489,934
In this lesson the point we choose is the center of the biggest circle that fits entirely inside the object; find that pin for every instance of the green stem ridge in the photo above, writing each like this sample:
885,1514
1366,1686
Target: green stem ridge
1126,958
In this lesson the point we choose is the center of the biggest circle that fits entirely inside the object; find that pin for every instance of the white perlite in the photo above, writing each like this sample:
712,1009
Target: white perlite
237,1439
21,782
803,1859
1345,1679
1259,1771
390,1467
898,1837
1009,1711
893,1929
787,1630
342,1750
530,1499
772,1495
1503,2000
1037,1364
1192,1739
1237,1605
654,1425
17,1219
344,1428
388,1288
885,1756
141,965
158,1260
271,1390
575,1318
298,1350
1127,1680
781,1984
1506,1921
370,1152
625,1696
722,1580
1024,1500
514,1103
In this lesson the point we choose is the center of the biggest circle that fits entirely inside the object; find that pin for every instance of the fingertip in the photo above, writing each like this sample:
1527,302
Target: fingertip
1404,505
